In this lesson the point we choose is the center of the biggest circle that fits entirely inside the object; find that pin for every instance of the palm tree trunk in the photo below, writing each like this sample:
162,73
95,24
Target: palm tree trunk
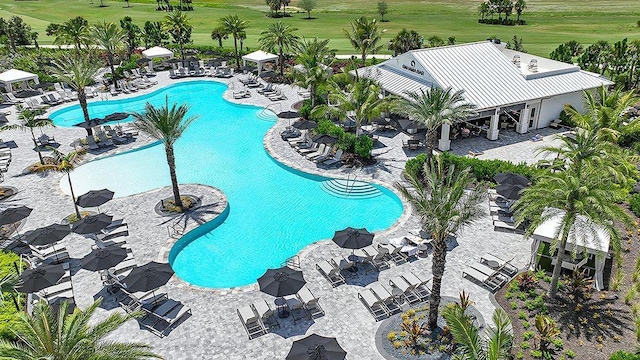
364,56
73,197
437,268
281,59
82,98
312,93
171,160
35,143
235,45
308,14
557,269
220,41
113,70
431,141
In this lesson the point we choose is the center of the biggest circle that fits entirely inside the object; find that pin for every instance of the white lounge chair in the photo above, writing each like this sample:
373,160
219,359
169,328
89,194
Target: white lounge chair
421,287
499,264
266,314
375,306
251,322
334,159
385,296
310,302
408,290
331,273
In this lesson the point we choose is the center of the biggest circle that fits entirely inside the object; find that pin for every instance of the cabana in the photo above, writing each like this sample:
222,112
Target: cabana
10,77
157,52
584,236
260,58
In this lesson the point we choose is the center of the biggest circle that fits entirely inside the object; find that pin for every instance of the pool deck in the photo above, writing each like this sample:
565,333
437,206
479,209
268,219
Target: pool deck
214,330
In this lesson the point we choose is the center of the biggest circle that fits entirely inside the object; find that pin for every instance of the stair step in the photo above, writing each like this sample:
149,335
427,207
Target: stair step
350,189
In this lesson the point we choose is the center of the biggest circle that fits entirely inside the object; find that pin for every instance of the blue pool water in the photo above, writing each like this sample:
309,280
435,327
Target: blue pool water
273,212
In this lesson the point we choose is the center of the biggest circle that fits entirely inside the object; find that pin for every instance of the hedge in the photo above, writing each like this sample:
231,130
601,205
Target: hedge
621,355
8,318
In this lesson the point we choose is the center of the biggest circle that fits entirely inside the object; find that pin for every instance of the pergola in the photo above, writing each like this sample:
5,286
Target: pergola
157,51
260,58
10,77
583,236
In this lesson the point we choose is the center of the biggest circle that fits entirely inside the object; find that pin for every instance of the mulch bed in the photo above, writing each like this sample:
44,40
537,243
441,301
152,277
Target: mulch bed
165,206
591,329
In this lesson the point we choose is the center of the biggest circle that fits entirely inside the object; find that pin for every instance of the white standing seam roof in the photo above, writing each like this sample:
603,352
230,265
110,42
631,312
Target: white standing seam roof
14,75
157,51
260,56
488,77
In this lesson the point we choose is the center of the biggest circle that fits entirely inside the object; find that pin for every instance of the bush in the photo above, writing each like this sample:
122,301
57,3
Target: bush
346,141
566,119
622,355
363,146
634,204
305,109
8,318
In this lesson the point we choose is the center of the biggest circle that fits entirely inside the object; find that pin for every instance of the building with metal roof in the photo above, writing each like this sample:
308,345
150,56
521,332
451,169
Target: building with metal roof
509,88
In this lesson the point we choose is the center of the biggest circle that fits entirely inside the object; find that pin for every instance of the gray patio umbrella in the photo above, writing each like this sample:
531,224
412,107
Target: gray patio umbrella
42,85
406,124
267,74
511,179
143,61
92,224
148,277
91,123
95,198
14,214
325,139
117,116
511,192
36,279
305,124
281,282
316,347
103,258
351,238
288,114
47,235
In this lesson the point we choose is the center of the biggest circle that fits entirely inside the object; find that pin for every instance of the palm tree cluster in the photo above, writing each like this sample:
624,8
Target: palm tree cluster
365,36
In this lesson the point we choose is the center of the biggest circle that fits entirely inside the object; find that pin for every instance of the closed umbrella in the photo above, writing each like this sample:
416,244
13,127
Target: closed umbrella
92,224
511,179
511,192
104,258
305,124
325,139
47,235
316,347
351,238
281,282
148,277
33,280
95,198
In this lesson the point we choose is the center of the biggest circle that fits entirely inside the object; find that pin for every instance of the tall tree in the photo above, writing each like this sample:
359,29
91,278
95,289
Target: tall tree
30,119
78,72
315,58
63,163
281,37
383,9
405,41
447,199
112,39
166,124
594,57
179,26
154,35
308,6
364,36
16,31
132,31
76,31
433,109
234,26
56,335
519,6
218,33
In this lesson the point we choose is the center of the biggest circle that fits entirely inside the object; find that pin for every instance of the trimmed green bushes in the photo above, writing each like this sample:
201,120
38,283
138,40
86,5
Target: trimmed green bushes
621,355
634,204
8,309
361,145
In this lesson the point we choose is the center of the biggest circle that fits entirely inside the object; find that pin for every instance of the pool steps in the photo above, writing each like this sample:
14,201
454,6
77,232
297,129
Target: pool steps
350,189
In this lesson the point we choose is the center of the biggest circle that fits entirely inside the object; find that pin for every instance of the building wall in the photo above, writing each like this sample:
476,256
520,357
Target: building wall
551,108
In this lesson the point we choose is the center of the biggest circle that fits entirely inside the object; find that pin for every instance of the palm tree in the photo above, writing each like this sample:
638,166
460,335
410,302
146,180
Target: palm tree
30,120
75,31
447,199
364,36
112,39
433,109
167,125
279,36
57,335
78,72
405,41
218,33
234,26
315,57
179,26
8,286
63,163
494,345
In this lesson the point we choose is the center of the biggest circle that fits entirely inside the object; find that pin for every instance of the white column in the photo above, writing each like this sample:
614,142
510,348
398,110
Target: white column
523,122
492,134
600,259
444,144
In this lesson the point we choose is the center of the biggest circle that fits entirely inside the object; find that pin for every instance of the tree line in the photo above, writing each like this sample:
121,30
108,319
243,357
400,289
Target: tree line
501,7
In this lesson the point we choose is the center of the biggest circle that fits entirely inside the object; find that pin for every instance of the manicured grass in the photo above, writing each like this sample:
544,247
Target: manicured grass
550,22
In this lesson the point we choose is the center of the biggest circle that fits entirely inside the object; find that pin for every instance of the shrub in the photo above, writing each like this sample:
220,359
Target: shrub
566,119
621,355
526,281
629,295
526,324
8,318
522,315
634,204
536,354
305,109
571,354
525,345
528,335
363,146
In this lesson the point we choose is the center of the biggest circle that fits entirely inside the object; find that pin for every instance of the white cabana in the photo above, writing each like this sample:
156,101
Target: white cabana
584,235
157,52
10,77
260,58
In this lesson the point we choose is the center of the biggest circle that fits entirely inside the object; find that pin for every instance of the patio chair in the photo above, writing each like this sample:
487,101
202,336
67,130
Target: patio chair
167,319
335,159
502,265
501,225
60,99
421,287
320,151
375,306
45,100
12,98
149,71
326,156
91,142
309,150
172,74
296,308
342,263
278,96
318,154
310,302
266,314
408,290
385,296
104,142
251,322
395,254
241,94
331,273
494,274
34,105
267,89
365,259
52,255
116,138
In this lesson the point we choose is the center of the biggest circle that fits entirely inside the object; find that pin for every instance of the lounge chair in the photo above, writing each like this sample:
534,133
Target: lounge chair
408,290
296,308
320,154
310,302
91,142
34,105
13,99
326,156
309,150
334,159
267,89
241,94
331,273
46,140
51,255
385,296
378,261
168,315
266,314
421,287
277,96
172,74
342,263
375,306
481,278
320,151
116,138
395,254
499,264
501,225
104,141
251,322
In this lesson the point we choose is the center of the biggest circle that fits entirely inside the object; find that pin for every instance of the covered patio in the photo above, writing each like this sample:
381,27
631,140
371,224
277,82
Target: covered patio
157,52
260,58
588,241
10,77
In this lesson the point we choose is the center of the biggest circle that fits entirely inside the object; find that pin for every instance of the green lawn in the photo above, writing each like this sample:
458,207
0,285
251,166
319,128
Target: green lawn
550,22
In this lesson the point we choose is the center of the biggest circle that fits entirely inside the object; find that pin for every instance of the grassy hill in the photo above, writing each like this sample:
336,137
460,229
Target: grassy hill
549,22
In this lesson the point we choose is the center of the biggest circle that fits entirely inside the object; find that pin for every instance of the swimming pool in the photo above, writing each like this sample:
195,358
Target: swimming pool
273,211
